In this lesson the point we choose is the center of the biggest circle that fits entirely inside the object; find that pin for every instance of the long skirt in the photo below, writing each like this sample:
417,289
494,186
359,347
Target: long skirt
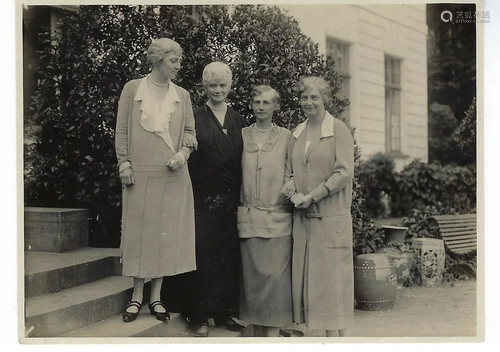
158,236
322,272
266,289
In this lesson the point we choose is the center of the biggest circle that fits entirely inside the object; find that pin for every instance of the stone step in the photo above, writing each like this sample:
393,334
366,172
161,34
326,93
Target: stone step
55,229
53,272
56,314
146,326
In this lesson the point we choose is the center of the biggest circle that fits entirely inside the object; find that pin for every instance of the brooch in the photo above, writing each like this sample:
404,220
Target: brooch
225,131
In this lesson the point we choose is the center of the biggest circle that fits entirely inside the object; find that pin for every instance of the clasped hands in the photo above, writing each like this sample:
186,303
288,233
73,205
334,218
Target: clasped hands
176,162
299,200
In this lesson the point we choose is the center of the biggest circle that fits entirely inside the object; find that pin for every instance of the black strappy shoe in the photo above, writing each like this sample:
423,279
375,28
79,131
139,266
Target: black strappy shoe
127,316
162,316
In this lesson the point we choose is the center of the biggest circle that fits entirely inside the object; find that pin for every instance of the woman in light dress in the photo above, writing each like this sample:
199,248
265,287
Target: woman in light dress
322,163
265,219
154,117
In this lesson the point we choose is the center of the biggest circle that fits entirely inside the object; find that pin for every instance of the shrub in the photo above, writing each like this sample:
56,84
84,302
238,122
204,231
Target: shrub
100,48
419,221
442,124
465,135
376,177
420,185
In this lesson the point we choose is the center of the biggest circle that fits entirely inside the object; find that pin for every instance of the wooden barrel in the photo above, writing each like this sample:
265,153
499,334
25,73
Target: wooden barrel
375,281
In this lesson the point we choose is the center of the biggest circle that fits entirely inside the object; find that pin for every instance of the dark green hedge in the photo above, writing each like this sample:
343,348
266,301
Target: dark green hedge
420,185
100,48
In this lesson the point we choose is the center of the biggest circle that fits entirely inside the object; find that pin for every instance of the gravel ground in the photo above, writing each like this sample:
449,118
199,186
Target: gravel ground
448,310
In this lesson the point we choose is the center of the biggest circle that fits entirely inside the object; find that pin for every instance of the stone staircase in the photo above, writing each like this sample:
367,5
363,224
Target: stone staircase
72,290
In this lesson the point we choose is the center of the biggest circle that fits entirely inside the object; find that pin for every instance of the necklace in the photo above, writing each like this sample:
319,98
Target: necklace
158,84
217,109
267,130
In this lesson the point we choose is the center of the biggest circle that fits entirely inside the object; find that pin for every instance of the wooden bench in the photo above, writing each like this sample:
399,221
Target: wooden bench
459,232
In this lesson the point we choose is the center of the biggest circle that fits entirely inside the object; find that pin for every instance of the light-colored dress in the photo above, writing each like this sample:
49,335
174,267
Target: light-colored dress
265,227
322,274
158,212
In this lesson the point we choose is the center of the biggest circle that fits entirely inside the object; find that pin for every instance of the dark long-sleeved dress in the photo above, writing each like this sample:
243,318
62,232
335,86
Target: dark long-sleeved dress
215,169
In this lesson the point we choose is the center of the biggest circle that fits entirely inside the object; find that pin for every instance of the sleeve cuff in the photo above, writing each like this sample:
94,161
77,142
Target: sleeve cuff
124,166
182,155
319,193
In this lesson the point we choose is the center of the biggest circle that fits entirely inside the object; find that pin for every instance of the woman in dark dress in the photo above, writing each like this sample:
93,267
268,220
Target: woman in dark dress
212,291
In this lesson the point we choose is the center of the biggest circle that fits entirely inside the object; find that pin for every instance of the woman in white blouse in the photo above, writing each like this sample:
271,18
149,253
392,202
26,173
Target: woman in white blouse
154,117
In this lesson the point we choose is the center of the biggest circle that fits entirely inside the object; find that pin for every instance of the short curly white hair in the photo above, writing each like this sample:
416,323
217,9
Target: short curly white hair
217,70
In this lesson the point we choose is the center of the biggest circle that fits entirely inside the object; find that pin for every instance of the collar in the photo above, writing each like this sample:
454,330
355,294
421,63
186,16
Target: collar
327,127
251,142
143,91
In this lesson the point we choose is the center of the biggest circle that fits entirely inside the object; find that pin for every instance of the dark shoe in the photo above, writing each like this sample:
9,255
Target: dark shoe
162,316
291,333
127,316
200,328
229,324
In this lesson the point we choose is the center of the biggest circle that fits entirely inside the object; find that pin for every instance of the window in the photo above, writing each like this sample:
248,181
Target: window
339,51
392,105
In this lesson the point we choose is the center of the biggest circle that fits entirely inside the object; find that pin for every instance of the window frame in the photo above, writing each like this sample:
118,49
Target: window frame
393,93
343,65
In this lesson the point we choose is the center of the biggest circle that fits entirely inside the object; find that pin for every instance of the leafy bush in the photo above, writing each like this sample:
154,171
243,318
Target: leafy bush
420,185
465,135
442,124
420,223
367,238
376,177
100,48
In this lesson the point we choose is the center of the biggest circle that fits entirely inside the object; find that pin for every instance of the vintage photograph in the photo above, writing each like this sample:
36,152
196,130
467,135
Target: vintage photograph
251,172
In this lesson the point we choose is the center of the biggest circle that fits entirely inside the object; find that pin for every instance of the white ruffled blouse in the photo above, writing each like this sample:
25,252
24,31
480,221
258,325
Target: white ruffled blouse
153,119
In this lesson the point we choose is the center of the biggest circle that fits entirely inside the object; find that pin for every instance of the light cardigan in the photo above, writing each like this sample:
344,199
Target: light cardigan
329,172
132,105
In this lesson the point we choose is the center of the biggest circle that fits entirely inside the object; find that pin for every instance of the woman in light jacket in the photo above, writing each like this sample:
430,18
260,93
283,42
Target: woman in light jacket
322,166
154,118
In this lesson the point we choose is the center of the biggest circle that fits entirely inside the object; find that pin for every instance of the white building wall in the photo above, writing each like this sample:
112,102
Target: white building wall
374,31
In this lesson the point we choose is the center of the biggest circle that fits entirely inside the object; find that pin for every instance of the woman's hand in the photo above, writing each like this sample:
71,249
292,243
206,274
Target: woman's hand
297,199
127,177
176,162
288,189
302,201
188,140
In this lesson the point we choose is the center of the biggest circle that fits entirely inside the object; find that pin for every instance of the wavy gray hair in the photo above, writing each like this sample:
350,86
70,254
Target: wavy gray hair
159,47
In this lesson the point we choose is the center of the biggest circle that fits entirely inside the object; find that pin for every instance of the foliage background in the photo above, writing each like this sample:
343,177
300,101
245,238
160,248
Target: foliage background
79,79
451,81
100,48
